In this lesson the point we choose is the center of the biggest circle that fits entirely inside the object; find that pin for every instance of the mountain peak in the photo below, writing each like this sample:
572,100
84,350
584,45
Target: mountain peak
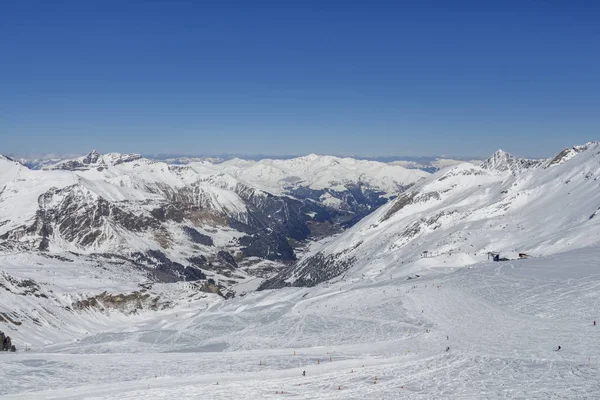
501,153
91,158
503,161
499,161
95,160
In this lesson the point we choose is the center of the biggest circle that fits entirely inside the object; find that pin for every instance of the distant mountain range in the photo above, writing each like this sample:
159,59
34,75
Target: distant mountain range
429,164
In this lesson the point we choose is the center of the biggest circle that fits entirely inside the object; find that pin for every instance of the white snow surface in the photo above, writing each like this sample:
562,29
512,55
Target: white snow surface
502,322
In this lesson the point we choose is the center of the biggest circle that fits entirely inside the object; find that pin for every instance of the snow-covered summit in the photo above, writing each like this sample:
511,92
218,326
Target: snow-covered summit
94,160
503,161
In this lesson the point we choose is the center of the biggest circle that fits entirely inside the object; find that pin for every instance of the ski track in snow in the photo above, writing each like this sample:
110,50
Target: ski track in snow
503,321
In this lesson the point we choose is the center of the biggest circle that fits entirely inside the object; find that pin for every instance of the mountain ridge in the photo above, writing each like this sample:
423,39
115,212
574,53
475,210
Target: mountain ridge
506,204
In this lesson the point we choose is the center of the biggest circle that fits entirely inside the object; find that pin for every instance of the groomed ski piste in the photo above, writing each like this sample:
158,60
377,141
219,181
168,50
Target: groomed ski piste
364,335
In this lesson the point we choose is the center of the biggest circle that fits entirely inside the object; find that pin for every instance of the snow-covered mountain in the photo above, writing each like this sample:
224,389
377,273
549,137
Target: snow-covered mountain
94,160
233,221
322,173
459,215
503,161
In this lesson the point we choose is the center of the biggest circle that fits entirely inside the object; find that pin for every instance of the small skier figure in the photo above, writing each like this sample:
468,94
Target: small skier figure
558,348
448,348
594,323
303,373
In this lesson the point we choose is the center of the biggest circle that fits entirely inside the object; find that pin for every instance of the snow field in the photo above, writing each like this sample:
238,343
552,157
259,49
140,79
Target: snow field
502,322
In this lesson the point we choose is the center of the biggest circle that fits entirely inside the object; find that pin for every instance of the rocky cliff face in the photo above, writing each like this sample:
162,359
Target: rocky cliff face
503,161
94,160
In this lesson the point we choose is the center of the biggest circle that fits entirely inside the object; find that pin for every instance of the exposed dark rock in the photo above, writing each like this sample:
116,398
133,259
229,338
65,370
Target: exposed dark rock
169,212
268,246
79,217
210,286
25,287
503,161
306,193
365,198
6,343
227,258
310,272
127,158
72,165
91,158
558,159
401,202
166,270
4,317
130,303
198,237
199,261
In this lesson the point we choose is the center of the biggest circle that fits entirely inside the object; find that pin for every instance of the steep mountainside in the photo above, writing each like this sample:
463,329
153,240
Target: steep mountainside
458,215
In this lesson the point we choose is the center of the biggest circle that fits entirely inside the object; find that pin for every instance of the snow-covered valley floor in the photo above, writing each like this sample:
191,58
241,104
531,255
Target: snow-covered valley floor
384,337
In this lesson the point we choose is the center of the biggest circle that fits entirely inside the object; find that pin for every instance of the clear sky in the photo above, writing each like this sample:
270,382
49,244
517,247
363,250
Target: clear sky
349,77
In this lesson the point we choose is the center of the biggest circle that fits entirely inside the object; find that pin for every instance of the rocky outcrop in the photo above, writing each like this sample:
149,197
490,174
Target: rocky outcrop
227,258
128,303
310,272
94,160
198,237
166,270
6,343
569,153
503,161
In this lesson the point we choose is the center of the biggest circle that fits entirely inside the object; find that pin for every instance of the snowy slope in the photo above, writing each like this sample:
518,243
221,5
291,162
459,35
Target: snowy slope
373,338
49,298
458,215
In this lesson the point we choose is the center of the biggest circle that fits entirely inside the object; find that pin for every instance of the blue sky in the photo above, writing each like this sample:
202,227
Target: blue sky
283,77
